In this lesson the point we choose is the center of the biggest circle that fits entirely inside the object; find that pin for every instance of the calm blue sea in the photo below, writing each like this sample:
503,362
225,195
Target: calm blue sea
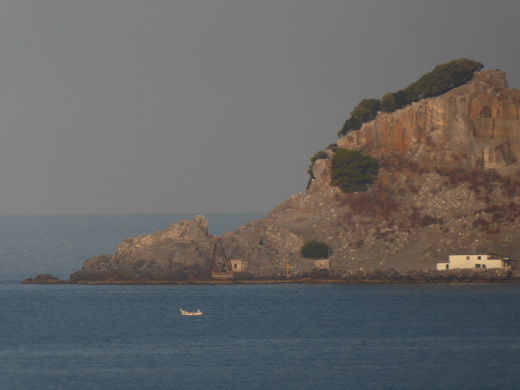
294,336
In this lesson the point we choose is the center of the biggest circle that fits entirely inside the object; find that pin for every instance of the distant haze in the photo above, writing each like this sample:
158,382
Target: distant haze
207,106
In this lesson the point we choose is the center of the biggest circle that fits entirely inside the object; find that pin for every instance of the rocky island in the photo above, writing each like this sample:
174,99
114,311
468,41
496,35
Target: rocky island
446,181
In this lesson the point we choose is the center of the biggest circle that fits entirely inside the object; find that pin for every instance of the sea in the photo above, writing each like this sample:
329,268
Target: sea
256,336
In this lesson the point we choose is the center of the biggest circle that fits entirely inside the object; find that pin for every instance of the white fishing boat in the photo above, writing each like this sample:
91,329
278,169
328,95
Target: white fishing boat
191,313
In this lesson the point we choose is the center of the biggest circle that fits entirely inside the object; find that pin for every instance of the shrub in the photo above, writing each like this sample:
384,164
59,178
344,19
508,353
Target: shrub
389,102
315,250
349,125
442,78
353,171
365,111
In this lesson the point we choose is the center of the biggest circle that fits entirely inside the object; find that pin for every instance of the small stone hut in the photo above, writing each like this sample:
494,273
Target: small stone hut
239,265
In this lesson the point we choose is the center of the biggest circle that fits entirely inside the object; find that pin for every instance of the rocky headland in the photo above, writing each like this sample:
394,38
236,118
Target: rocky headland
448,183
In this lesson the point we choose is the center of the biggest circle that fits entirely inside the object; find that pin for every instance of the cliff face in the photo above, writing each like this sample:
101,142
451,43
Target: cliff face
449,183
473,126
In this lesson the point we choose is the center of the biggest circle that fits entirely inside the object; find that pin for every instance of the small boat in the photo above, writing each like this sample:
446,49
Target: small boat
191,313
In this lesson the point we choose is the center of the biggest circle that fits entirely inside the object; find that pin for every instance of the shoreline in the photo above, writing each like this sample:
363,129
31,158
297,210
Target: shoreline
490,280
458,276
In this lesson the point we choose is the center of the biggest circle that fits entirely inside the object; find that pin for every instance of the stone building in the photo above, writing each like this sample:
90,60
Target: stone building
239,265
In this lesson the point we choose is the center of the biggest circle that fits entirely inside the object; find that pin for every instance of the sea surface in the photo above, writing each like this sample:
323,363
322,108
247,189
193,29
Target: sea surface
274,336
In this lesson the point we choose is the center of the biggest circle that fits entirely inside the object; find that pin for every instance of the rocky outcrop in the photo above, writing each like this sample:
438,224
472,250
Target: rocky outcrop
449,183
181,252
184,252
44,279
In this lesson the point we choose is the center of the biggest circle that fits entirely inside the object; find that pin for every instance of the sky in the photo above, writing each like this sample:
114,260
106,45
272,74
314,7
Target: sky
207,106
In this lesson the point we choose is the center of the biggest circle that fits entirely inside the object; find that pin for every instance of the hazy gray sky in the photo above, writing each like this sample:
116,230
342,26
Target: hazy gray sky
165,106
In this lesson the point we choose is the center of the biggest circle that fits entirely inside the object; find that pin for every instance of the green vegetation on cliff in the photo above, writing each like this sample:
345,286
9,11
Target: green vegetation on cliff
353,171
365,111
315,250
440,80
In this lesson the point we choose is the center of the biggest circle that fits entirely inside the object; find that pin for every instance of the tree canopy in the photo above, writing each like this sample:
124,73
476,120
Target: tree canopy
353,171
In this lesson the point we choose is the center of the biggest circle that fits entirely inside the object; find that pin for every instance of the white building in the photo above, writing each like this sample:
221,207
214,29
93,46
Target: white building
474,261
